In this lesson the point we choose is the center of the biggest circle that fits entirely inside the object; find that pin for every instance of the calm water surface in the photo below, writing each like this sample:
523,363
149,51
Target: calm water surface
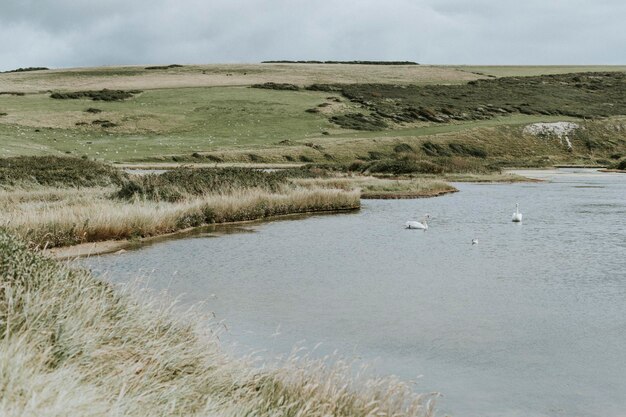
529,322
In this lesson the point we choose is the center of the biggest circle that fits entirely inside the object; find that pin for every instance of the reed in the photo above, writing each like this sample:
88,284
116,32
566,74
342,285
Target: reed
74,345
382,188
58,217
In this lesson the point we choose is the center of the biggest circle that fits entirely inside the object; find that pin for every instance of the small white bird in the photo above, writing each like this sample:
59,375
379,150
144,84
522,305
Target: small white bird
412,224
517,216
474,241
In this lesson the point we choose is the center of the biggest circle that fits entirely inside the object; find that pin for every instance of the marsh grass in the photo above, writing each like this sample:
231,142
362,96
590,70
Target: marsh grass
56,172
73,345
56,218
375,187
178,184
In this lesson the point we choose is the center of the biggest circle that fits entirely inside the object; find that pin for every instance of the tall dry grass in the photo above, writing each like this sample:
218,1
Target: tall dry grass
60,217
72,345
373,187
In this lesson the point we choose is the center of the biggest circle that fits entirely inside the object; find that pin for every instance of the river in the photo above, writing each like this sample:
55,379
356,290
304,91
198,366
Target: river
531,321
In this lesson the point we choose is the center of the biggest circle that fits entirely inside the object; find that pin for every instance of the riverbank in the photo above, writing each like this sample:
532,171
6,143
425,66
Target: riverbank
120,246
68,217
75,345
59,202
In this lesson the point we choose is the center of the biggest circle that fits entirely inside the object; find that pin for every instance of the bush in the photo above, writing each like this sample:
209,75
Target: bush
277,86
102,95
468,150
621,165
255,158
434,149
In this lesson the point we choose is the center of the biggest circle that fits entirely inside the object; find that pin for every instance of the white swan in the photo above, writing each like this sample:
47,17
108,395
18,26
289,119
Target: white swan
517,216
412,224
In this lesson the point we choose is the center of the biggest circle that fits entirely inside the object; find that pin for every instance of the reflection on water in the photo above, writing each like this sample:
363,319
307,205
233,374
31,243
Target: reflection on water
529,322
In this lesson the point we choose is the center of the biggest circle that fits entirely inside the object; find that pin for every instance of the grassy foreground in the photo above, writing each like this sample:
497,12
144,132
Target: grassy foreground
74,346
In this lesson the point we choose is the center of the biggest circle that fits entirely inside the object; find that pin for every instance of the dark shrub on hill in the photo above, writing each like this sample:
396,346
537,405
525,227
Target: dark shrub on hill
588,95
277,86
102,95
358,121
28,69
403,148
435,149
161,67
467,150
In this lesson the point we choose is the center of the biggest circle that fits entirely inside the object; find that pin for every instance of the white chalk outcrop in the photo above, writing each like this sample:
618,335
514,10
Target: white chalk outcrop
560,130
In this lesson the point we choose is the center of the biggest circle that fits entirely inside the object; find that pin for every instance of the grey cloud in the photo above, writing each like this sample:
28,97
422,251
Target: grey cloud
63,33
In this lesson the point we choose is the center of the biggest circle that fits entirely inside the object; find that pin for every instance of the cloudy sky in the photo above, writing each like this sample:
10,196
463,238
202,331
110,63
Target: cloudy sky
70,33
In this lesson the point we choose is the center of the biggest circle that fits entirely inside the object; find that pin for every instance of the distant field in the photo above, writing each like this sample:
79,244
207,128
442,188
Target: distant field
137,77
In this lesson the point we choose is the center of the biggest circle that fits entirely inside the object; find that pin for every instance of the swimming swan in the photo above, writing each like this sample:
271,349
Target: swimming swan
412,224
517,216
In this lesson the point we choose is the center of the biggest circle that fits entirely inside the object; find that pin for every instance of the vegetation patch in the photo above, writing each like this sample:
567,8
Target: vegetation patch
101,95
93,110
277,86
343,62
403,148
582,95
467,150
57,172
162,67
359,121
621,165
104,123
27,69
12,93
435,149
181,183
407,164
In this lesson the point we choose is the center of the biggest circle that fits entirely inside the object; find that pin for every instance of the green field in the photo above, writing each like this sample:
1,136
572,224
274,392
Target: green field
159,122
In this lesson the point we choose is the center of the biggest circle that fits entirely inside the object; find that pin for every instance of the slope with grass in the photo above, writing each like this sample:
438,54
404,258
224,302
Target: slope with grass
188,114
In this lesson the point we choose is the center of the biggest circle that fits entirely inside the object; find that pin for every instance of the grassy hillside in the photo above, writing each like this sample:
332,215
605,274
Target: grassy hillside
209,113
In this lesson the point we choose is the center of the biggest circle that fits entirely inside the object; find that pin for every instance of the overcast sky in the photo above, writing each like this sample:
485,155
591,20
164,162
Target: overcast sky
70,33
